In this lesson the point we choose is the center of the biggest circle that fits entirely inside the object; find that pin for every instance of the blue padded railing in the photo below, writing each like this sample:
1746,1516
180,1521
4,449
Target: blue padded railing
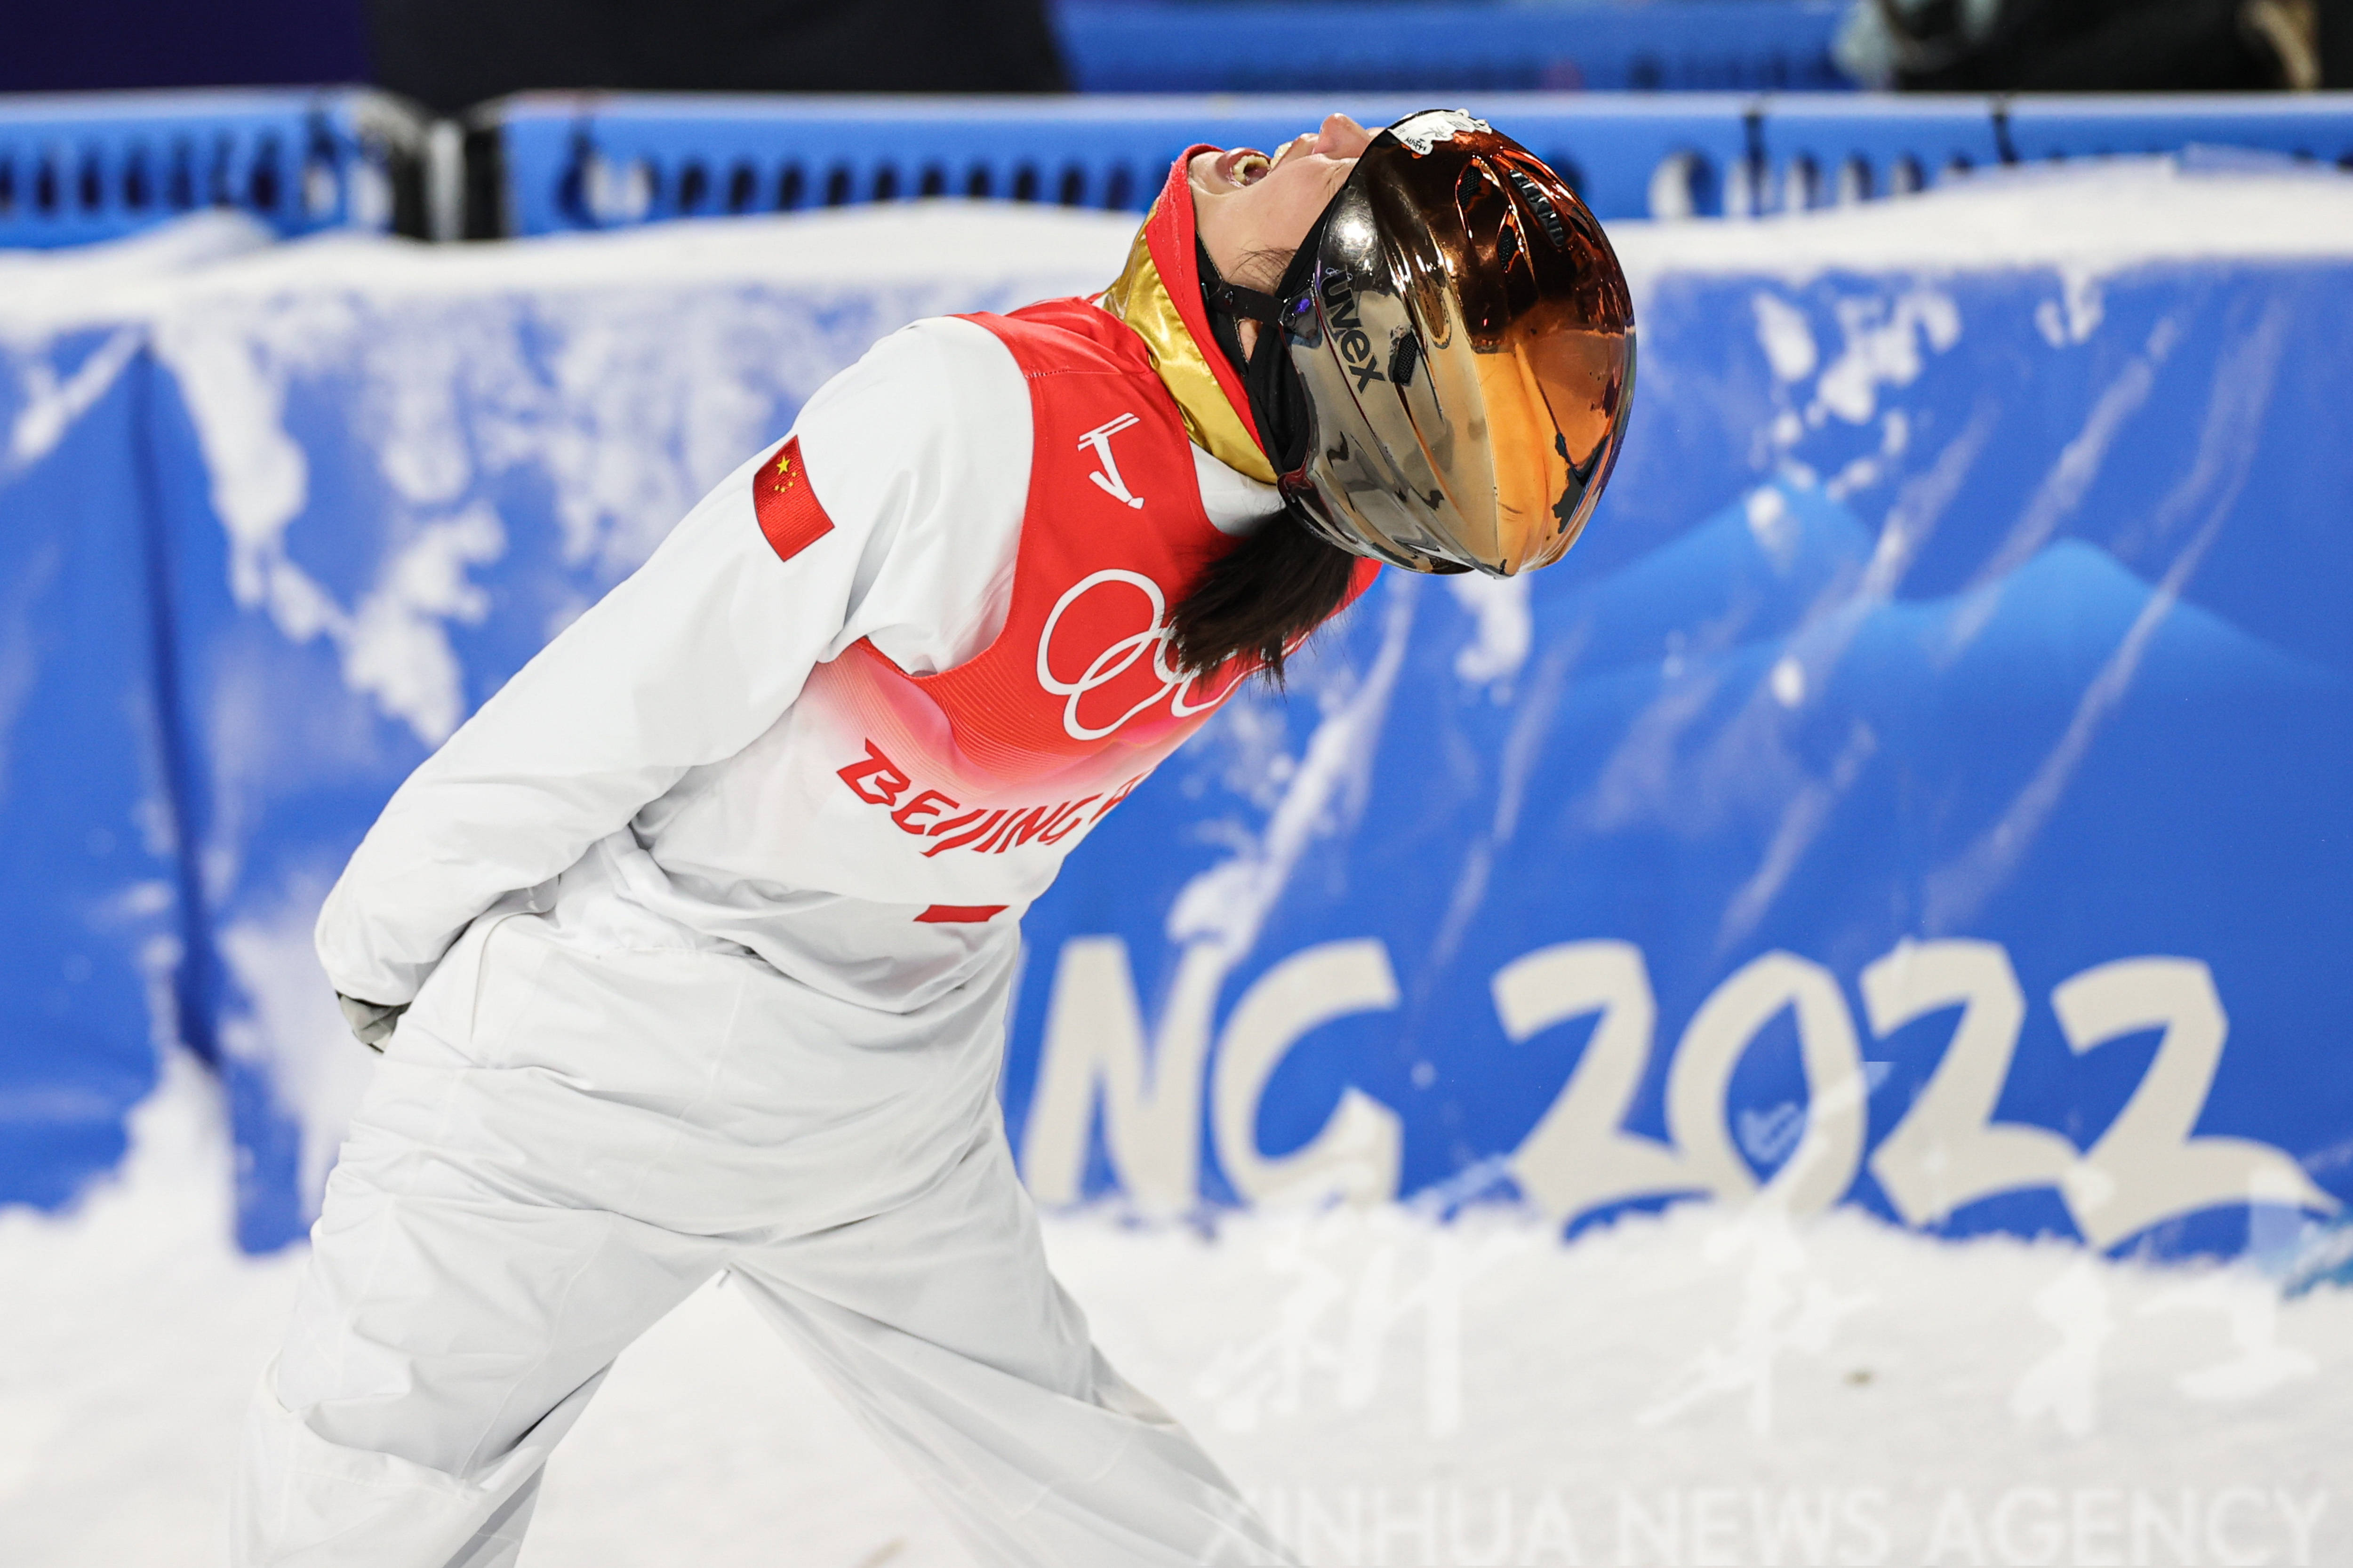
85,166
2310,125
554,163
1822,150
1270,46
602,161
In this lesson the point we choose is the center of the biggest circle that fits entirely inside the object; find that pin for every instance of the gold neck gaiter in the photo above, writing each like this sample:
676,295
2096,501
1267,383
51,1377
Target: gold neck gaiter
1158,295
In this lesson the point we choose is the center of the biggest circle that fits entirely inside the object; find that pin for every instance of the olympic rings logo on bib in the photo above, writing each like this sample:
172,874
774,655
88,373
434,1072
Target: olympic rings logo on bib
1119,657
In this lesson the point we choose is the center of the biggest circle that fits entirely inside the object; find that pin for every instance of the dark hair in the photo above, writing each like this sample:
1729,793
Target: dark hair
1284,580
1261,597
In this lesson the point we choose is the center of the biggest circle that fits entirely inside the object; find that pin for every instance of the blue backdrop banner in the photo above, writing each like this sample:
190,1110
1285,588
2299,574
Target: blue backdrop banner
1921,790
94,934
1949,819
87,921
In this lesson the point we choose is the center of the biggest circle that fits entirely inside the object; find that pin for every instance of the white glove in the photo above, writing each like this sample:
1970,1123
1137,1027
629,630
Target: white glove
372,1022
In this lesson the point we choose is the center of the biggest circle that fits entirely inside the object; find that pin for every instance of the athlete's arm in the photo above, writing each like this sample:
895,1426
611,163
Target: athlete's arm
696,654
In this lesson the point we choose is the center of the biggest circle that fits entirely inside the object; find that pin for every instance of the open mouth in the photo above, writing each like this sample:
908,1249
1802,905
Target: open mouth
1244,167
1247,165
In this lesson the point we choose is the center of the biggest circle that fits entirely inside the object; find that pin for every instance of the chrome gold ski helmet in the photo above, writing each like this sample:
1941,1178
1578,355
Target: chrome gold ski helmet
1464,339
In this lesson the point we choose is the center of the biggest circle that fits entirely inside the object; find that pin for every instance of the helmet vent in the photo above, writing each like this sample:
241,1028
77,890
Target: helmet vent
1533,195
1403,358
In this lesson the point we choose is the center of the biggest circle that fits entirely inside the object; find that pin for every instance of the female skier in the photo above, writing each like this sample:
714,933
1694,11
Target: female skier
698,934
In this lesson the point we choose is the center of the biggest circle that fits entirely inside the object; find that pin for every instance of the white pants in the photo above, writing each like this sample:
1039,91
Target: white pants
566,1138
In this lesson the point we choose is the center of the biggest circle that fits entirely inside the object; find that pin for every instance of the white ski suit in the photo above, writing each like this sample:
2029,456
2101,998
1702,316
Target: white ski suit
708,920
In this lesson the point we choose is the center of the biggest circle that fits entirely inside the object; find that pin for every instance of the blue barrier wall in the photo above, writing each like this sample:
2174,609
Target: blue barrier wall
74,169
81,167
608,161
1919,790
90,921
102,166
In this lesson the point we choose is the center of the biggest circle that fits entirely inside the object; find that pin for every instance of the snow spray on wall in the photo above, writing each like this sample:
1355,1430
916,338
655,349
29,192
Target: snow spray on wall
86,925
418,467
92,928
1922,789
350,485
1918,790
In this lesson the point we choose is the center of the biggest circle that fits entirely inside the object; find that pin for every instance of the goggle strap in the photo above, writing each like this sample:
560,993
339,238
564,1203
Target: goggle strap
1237,300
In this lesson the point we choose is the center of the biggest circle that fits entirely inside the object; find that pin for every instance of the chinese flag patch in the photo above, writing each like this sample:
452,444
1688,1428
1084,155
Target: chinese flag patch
789,514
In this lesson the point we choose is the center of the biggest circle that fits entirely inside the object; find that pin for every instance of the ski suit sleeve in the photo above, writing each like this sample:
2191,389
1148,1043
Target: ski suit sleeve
684,663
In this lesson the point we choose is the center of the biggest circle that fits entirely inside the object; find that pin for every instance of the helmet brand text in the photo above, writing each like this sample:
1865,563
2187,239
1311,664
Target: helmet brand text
1355,343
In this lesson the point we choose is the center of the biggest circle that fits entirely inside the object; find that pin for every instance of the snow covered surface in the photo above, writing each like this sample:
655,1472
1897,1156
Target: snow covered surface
219,256
1687,1389
41,285
2096,217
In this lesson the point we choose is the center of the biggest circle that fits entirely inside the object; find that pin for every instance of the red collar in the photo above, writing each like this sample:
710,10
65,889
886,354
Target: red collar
1175,254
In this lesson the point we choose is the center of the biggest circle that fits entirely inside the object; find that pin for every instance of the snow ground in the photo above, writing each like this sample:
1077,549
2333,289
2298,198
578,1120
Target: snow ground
1705,1388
